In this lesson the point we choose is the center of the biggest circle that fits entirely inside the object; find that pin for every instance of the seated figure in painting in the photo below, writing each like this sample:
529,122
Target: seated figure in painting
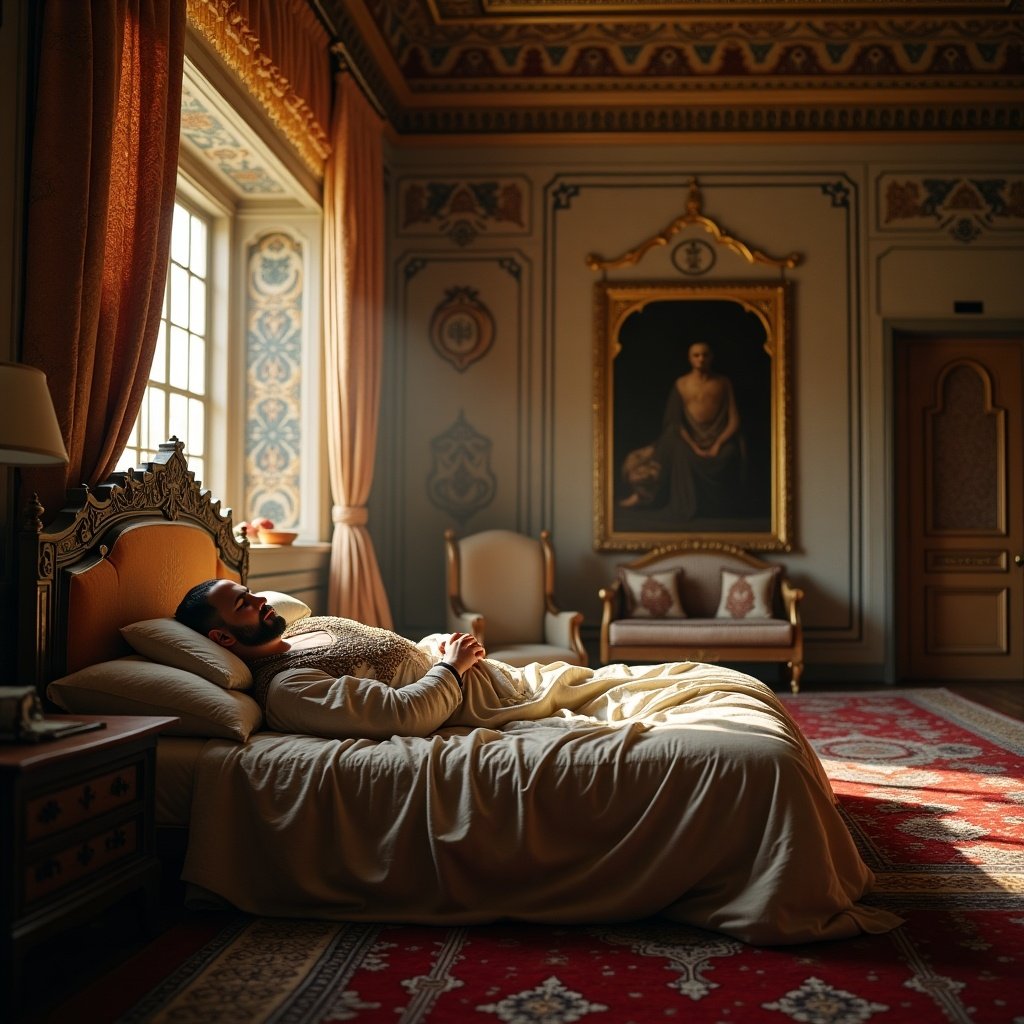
699,456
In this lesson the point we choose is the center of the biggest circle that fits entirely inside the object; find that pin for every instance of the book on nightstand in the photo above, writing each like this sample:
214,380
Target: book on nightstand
22,719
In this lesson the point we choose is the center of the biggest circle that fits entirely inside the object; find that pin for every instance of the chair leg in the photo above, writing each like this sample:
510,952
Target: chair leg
796,670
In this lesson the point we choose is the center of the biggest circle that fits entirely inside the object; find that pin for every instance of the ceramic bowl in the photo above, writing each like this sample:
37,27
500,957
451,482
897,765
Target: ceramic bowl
277,536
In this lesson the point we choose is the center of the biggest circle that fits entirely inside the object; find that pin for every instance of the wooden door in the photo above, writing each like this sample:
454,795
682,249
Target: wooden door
960,508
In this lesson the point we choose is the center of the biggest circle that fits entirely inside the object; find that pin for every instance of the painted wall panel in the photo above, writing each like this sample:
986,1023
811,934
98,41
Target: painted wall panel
865,259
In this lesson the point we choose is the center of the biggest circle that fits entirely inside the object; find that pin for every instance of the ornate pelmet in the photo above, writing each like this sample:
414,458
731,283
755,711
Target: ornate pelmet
227,32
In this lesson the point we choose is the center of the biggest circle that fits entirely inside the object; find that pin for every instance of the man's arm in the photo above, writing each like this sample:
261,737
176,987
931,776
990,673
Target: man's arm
310,702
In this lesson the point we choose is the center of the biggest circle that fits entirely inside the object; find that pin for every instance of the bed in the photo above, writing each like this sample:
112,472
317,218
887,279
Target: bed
688,793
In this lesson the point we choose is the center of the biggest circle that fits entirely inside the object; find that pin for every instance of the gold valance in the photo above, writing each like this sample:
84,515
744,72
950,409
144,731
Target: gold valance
281,53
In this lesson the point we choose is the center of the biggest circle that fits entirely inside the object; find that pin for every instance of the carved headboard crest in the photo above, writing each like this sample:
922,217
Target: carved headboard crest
83,533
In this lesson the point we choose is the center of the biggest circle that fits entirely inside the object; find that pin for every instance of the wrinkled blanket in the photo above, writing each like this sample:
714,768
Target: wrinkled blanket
556,794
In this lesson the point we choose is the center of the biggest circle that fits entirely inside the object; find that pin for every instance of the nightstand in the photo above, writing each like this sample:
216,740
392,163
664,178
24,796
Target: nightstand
76,831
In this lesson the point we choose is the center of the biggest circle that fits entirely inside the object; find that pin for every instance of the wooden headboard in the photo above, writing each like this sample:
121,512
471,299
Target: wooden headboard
124,551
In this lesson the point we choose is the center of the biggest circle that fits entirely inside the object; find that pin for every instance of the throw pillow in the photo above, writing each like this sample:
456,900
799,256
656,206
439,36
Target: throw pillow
747,595
291,609
171,643
653,595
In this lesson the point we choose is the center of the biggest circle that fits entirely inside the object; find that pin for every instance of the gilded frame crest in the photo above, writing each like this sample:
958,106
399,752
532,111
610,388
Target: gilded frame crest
692,414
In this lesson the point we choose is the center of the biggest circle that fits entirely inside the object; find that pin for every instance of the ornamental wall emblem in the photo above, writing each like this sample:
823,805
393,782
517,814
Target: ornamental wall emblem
461,481
462,209
461,328
962,206
693,257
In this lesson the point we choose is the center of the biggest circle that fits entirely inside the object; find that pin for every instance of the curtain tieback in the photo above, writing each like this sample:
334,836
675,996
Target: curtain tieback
350,515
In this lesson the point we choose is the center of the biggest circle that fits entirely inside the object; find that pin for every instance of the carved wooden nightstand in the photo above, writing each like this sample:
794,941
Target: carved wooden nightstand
76,831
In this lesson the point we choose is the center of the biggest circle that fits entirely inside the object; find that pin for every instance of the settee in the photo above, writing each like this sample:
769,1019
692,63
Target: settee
702,601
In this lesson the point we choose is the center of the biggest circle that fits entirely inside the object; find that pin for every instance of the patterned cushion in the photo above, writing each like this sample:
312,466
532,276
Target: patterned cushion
747,596
652,595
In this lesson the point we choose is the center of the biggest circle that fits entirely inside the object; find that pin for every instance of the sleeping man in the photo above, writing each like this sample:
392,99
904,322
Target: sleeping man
338,678
443,786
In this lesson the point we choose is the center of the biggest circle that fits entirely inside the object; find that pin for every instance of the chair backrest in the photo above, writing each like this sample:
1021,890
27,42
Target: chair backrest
501,575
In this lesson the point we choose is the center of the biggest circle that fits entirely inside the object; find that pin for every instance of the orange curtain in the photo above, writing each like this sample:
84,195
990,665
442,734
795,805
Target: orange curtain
104,163
353,336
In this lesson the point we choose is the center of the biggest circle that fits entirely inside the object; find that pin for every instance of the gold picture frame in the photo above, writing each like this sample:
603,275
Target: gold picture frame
692,417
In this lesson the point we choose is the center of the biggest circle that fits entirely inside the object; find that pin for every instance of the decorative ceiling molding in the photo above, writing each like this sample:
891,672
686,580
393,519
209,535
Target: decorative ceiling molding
449,67
592,10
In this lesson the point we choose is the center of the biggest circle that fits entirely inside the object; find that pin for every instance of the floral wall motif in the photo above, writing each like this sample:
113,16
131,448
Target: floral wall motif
217,141
464,209
273,384
964,206
461,480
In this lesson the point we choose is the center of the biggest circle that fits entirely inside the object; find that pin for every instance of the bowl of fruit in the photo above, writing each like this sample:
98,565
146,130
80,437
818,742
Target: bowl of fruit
260,530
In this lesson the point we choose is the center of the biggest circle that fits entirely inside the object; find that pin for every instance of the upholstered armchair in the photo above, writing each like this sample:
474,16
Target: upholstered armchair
501,589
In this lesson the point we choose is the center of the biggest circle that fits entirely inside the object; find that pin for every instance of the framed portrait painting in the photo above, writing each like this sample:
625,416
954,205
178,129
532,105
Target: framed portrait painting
692,428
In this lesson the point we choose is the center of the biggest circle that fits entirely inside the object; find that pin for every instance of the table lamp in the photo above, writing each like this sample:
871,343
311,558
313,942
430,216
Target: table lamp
29,432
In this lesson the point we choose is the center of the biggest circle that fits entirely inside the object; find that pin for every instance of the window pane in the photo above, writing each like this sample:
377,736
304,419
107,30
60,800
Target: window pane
197,303
179,235
197,256
177,421
196,422
156,428
174,403
179,359
198,467
196,365
158,371
179,295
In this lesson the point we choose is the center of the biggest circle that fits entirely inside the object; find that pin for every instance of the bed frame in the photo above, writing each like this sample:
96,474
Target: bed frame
155,524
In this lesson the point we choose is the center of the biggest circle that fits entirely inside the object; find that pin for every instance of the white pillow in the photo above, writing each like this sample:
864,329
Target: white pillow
291,609
172,643
136,686
653,595
747,596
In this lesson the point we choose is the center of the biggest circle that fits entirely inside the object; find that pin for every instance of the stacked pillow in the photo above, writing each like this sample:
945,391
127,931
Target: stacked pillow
175,671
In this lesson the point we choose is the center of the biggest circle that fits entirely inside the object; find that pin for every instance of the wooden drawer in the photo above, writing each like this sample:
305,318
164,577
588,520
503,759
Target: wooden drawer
53,812
77,861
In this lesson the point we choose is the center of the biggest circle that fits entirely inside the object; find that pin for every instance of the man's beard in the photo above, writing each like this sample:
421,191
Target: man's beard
264,631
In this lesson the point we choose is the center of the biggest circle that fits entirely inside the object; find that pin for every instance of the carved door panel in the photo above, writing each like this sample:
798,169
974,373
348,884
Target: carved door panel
960,508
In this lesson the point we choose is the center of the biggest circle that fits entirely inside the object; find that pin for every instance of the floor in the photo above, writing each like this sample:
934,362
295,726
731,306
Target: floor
1004,697
57,969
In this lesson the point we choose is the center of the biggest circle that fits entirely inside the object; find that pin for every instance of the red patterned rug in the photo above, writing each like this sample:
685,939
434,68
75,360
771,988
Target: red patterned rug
932,787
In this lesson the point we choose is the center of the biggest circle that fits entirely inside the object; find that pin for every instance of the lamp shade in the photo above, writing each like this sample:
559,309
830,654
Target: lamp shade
29,432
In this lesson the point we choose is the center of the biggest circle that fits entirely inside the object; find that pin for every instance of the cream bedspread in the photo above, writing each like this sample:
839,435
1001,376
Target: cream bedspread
569,795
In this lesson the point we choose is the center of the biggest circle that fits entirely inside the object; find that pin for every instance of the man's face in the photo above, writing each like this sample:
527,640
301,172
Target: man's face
700,356
246,616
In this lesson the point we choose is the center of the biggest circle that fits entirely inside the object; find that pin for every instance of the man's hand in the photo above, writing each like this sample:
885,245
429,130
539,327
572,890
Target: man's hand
462,651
